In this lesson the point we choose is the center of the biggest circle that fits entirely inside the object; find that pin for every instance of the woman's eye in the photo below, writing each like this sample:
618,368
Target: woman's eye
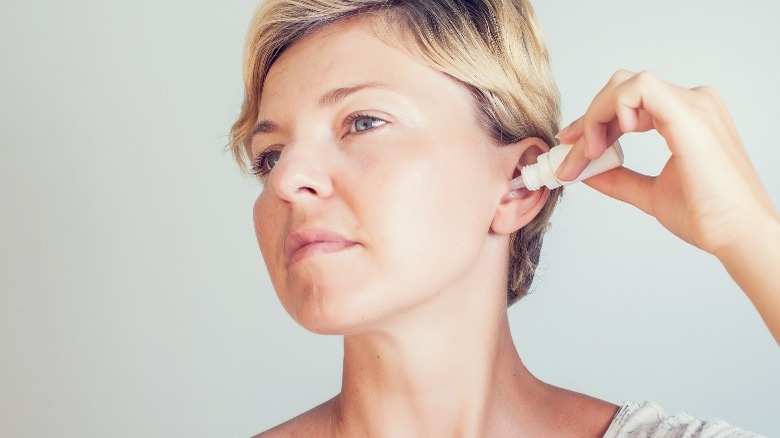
265,162
364,123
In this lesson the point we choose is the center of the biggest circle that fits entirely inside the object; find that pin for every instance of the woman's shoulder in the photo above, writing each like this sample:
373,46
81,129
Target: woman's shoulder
310,423
650,420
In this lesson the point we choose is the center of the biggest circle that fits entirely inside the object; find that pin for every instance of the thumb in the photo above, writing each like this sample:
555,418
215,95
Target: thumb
625,185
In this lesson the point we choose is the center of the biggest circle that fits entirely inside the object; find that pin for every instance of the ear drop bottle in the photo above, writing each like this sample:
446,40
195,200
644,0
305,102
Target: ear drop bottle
542,173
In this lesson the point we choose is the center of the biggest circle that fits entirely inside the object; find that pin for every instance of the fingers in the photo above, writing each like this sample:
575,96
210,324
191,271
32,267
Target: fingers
571,133
629,102
600,113
591,139
625,185
579,157
707,193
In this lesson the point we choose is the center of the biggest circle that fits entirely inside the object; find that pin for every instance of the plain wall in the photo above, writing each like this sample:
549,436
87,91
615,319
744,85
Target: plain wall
133,299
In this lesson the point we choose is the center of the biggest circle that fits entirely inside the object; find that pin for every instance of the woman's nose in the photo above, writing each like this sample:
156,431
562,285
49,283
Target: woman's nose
300,173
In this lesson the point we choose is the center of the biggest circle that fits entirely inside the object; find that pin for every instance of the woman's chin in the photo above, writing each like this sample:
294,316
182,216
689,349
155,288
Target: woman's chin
333,313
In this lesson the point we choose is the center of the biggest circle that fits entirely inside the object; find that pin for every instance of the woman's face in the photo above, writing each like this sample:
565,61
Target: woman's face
380,187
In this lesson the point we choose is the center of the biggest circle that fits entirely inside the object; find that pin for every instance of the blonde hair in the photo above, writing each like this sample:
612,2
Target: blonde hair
493,47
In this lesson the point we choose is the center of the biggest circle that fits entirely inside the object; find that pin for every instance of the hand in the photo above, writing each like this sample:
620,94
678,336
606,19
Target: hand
707,193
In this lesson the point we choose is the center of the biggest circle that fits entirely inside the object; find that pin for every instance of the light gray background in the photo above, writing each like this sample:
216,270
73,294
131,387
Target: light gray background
133,300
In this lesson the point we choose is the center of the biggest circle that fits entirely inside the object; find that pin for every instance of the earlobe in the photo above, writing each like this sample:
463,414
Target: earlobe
519,207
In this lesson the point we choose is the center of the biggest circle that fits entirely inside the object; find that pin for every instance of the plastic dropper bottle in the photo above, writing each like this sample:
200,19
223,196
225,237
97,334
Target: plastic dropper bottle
542,173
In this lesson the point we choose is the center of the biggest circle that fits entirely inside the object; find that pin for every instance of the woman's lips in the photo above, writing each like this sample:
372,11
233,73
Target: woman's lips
311,242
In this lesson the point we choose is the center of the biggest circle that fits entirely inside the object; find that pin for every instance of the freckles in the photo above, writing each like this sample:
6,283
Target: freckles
266,227
257,215
256,208
263,209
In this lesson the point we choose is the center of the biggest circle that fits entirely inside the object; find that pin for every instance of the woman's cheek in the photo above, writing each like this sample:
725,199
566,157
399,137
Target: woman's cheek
269,234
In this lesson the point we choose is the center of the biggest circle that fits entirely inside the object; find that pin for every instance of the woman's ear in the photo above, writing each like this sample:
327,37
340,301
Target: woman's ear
517,208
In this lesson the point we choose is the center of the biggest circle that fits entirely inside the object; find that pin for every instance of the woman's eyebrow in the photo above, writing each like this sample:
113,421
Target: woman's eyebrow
334,96
330,98
264,127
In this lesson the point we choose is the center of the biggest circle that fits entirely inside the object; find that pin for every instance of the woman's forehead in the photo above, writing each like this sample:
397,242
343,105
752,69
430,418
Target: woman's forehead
340,52
343,55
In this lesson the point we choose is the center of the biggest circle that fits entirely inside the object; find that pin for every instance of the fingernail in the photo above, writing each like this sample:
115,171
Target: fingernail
562,174
563,131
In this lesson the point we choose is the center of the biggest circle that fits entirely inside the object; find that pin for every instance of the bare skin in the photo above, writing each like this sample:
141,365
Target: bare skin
428,351
514,402
708,194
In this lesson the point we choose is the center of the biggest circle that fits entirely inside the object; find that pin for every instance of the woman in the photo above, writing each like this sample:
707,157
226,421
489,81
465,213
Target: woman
385,133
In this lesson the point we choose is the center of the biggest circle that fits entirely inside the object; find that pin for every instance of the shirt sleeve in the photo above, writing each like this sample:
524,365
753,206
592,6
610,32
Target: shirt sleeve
651,421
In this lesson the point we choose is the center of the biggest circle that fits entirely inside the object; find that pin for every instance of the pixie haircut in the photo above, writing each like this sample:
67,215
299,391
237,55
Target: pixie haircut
494,48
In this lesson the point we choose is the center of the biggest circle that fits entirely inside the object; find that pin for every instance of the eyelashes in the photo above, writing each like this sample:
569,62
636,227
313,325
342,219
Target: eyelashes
266,161
358,124
356,121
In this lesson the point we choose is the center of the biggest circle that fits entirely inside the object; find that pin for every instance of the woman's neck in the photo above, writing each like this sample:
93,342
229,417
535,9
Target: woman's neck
417,388
450,359
449,367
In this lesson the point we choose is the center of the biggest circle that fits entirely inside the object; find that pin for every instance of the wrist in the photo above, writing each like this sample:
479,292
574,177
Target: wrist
758,243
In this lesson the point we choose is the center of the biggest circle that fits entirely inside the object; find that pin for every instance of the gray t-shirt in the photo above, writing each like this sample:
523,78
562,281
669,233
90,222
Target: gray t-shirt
651,421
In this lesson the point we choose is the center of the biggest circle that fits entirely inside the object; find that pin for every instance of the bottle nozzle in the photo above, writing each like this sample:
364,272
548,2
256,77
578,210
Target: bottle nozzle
516,184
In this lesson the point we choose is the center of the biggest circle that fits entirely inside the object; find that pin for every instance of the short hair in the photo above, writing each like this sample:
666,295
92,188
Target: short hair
494,48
